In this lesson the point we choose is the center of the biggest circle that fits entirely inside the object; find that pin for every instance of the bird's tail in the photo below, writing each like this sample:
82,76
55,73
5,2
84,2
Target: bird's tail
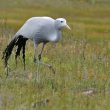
20,42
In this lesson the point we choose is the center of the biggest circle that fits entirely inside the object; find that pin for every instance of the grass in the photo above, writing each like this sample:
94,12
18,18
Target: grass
81,59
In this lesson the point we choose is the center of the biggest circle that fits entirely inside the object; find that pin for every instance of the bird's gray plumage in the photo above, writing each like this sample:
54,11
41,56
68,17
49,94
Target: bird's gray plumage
38,29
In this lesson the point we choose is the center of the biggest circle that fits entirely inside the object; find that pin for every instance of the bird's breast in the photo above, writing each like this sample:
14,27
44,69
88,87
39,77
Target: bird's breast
55,37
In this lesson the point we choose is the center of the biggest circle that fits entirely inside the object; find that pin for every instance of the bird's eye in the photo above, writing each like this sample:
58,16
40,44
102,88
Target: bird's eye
61,21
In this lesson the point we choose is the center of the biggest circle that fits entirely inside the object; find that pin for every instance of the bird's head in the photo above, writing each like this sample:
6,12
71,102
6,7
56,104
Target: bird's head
60,23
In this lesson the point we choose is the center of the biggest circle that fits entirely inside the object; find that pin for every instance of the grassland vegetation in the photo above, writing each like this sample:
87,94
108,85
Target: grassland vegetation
81,59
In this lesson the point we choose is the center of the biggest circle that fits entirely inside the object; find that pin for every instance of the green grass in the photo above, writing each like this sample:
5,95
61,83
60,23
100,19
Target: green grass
81,59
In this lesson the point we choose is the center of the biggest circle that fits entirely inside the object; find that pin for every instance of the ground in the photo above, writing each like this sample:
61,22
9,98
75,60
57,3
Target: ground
81,59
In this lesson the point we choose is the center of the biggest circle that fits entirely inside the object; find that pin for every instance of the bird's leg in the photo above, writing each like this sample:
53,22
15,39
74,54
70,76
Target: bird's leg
39,58
40,55
35,47
45,64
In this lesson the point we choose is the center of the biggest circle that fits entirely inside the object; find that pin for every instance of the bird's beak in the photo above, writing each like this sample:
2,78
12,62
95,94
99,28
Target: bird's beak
68,27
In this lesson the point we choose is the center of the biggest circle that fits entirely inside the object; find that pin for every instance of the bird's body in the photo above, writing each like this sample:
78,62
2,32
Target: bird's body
38,29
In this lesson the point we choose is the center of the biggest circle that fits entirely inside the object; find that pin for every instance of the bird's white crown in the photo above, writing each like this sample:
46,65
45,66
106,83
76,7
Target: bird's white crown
60,23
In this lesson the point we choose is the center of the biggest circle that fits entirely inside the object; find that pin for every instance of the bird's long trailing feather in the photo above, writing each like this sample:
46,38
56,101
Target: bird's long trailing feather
20,42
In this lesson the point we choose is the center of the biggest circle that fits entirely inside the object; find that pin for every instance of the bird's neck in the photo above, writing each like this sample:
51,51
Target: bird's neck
57,26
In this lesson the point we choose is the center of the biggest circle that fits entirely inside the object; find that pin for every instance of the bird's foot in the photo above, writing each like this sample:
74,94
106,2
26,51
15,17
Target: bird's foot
35,60
39,57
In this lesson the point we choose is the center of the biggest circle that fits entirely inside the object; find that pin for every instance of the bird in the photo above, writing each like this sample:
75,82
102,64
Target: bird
40,30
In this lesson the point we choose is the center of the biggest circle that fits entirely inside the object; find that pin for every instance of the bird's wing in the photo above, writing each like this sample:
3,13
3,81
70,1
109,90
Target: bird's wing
36,25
